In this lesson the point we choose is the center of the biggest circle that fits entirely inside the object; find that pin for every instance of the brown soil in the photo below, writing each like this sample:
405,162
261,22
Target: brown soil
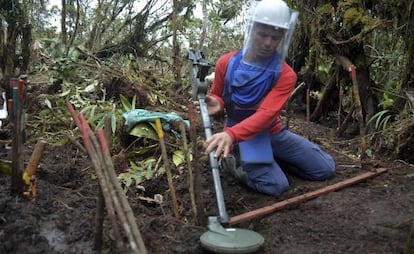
374,216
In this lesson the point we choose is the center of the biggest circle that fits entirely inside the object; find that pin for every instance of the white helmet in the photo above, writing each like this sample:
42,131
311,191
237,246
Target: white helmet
272,12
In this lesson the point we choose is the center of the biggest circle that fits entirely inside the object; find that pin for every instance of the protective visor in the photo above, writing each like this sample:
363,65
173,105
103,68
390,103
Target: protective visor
266,46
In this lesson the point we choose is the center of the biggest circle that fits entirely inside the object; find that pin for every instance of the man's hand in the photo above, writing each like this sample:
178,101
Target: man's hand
222,142
213,105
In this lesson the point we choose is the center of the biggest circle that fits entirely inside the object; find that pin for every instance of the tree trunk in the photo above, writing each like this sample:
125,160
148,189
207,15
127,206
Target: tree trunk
26,48
63,34
205,25
175,48
8,58
408,80
75,30
326,98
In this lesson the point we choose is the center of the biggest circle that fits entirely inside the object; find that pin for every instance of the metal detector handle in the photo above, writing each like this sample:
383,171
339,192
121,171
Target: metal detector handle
199,69
208,129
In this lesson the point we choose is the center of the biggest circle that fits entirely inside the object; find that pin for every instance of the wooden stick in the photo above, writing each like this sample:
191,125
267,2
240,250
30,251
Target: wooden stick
100,209
346,121
100,205
197,175
30,172
190,170
308,104
167,167
97,164
125,212
76,143
73,113
115,200
101,197
351,68
35,157
358,111
112,193
17,145
302,198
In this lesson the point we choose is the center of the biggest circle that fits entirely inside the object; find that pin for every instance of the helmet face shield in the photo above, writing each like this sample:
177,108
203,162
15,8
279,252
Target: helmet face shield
268,35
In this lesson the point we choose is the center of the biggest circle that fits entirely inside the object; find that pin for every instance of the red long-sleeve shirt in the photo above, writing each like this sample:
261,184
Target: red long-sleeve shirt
269,109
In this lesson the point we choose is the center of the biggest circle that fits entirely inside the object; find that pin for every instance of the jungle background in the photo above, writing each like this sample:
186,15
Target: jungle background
354,61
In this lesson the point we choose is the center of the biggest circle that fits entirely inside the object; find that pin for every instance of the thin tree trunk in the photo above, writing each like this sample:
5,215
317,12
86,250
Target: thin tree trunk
175,48
408,80
350,67
8,46
205,25
75,30
324,101
63,34
26,47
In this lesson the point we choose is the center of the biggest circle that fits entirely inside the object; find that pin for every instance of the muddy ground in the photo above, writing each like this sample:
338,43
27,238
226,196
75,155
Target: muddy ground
373,216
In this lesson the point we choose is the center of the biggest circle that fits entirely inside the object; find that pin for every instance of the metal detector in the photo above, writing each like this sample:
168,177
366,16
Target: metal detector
218,238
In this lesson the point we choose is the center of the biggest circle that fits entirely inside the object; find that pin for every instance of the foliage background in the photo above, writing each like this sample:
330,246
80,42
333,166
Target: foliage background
100,51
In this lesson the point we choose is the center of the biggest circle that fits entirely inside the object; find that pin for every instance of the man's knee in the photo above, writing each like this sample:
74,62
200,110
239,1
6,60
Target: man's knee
266,178
324,172
273,188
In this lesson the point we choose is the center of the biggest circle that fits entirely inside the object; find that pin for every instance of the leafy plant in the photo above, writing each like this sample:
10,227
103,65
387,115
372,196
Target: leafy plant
137,173
381,119
387,101
126,105
178,157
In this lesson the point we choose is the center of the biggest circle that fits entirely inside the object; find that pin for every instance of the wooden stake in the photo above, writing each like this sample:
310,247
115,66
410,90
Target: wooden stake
190,170
34,159
121,203
115,200
17,144
100,205
97,164
302,198
201,219
351,68
160,133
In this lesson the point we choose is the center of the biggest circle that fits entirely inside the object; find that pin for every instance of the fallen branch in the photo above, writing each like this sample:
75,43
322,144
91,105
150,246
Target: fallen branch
302,198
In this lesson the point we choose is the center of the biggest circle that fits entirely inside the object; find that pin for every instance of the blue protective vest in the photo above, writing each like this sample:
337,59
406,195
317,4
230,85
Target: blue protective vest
246,86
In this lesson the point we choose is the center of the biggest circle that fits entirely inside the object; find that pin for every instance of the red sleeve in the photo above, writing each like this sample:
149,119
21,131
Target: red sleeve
269,110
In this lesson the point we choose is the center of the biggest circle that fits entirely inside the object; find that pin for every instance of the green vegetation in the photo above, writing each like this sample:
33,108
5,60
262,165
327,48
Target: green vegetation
117,56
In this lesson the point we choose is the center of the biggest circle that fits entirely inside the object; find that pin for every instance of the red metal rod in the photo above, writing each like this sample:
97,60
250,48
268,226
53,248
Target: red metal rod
302,198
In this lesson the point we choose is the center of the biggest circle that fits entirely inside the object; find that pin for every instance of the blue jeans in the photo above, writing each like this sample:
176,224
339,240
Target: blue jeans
303,158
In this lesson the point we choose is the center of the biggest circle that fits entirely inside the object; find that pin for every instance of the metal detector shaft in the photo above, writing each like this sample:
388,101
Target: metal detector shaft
223,216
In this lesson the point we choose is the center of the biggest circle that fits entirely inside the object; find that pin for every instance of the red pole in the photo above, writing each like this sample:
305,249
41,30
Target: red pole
307,196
